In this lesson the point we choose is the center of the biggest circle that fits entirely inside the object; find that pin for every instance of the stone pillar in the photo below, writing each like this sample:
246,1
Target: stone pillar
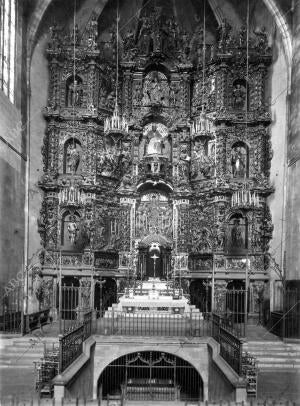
293,154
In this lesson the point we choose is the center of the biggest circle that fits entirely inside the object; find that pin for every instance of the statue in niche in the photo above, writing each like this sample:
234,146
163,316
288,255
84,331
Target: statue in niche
224,34
185,39
239,162
156,89
128,45
109,161
243,35
237,238
73,158
262,38
203,242
72,229
201,163
156,144
183,165
125,157
145,37
92,31
239,96
75,94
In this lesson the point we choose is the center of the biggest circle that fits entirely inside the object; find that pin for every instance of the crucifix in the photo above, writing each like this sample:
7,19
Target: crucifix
154,257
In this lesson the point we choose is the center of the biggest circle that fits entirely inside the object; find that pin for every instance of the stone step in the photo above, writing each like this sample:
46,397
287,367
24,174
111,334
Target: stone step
19,362
278,366
25,356
278,360
276,353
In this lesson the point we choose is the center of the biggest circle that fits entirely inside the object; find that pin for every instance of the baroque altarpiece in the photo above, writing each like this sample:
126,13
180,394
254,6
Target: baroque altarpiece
171,161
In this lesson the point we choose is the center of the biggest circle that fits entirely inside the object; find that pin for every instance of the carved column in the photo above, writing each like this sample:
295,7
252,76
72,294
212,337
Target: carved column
186,87
127,93
221,80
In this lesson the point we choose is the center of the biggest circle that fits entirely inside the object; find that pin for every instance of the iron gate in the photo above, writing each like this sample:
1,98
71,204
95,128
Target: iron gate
11,311
151,375
230,304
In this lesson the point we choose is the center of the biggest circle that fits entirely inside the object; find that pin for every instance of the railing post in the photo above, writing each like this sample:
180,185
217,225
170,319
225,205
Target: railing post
60,360
112,321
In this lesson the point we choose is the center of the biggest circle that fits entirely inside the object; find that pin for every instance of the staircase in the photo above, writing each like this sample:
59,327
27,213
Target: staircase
274,355
17,369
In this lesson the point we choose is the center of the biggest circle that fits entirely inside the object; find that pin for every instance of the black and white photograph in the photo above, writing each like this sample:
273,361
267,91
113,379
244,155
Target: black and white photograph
150,202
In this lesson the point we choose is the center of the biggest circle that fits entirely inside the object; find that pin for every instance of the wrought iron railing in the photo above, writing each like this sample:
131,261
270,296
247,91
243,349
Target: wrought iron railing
71,342
11,314
153,324
46,370
70,347
249,371
230,345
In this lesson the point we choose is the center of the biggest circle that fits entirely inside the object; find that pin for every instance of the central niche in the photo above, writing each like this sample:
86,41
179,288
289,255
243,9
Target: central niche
154,216
155,141
156,89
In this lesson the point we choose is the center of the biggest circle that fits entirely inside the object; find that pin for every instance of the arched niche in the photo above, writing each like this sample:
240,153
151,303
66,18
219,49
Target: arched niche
74,91
154,215
240,94
72,157
240,160
70,230
237,234
151,375
155,141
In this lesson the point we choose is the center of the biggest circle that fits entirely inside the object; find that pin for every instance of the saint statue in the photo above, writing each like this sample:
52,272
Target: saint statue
237,239
238,162
156,144
72,229
239,96
73,159
75,94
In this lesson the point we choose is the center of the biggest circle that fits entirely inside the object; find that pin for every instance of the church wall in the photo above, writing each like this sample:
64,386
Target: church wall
278,128
11,210
293,195
12,168
276,97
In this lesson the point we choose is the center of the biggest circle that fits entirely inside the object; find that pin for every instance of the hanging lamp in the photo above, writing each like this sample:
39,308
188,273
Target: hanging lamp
116,124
